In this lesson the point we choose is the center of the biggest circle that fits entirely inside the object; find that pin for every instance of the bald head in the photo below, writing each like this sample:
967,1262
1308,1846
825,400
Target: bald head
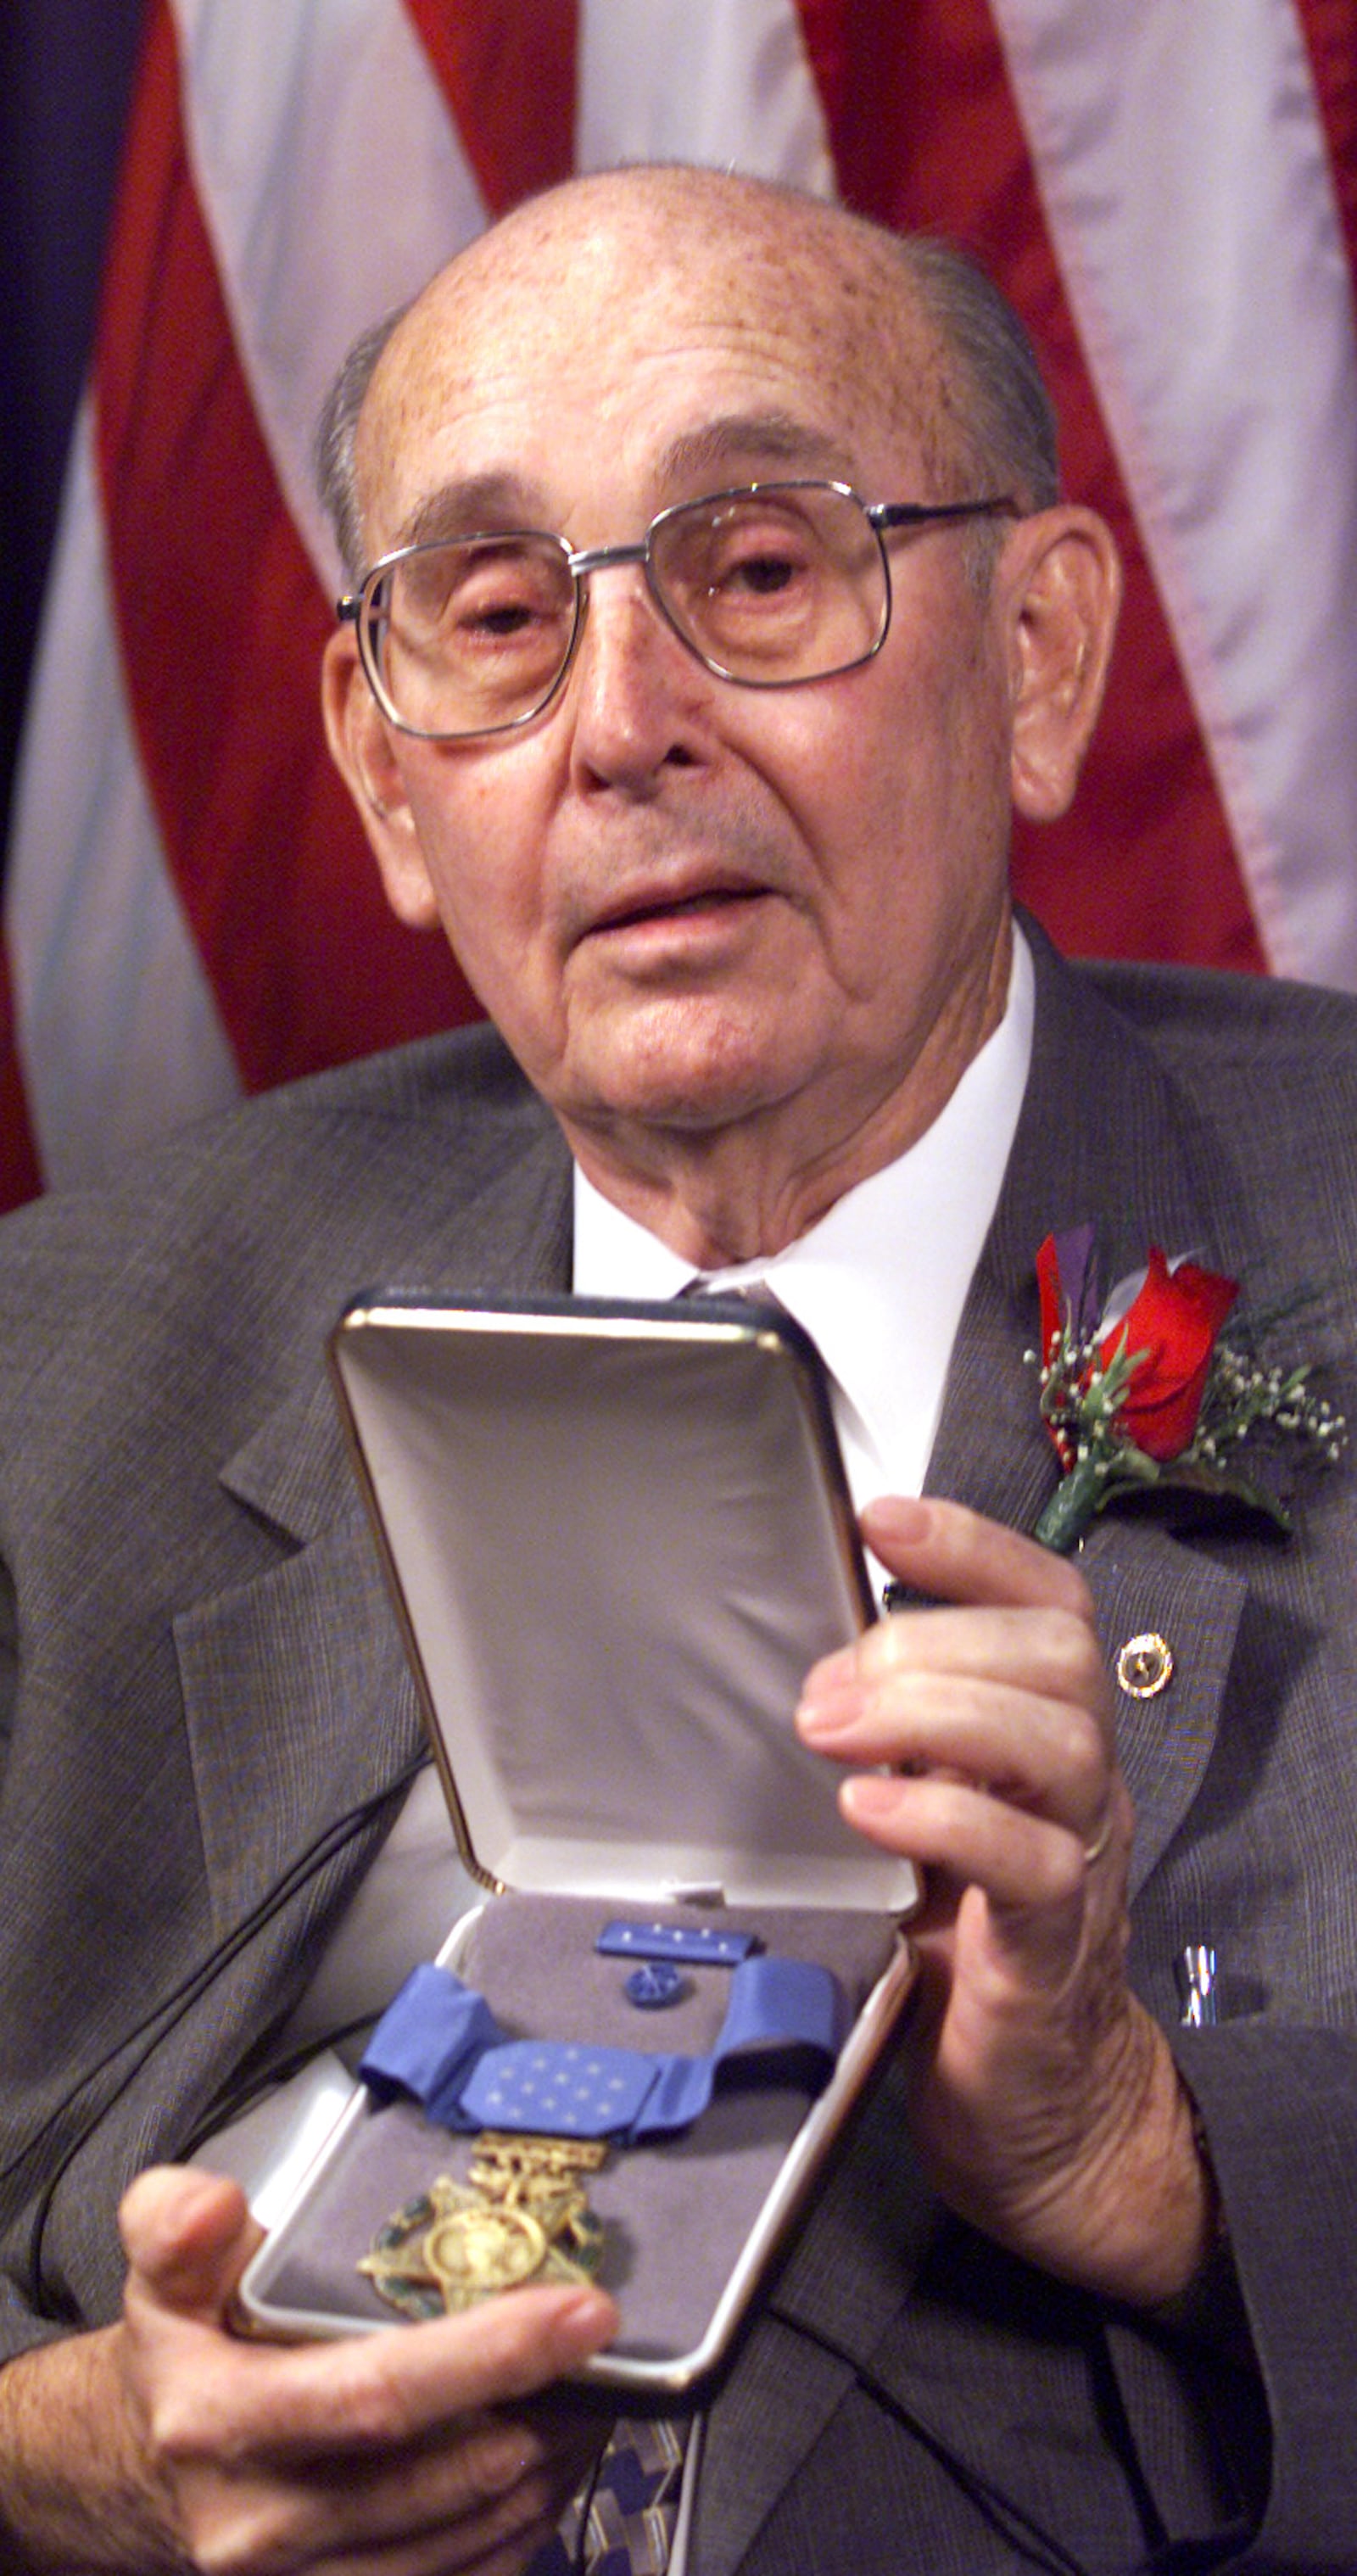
902,329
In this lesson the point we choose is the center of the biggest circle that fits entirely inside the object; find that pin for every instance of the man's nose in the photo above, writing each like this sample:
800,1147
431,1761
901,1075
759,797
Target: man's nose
636,696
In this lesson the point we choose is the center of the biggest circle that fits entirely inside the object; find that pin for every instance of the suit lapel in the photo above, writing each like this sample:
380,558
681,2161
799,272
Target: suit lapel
1144,1582
324,1718
300,1710
1104,1134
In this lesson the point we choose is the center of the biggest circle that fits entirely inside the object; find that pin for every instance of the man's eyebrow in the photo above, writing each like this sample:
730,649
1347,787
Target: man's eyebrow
474,502
750,437
503,499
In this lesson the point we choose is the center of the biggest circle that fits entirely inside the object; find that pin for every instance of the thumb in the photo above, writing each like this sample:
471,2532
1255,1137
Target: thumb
188,2237
950,1554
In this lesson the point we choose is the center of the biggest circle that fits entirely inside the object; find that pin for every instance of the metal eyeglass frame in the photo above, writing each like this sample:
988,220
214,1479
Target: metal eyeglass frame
883,517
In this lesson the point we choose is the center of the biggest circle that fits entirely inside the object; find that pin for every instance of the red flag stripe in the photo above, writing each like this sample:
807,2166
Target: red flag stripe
509,78
929,137
1330,30
824,32
307,963
20,1178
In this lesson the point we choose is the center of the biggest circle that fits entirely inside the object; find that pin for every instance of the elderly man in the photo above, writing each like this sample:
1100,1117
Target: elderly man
714,608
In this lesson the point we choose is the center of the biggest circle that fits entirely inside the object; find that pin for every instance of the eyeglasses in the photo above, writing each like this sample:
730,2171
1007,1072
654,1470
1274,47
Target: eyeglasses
768,584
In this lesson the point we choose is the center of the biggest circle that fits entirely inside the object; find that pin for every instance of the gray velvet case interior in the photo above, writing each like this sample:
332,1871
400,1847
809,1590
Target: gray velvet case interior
684,2220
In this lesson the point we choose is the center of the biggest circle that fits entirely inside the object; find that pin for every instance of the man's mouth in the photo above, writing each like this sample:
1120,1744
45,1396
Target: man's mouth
633,914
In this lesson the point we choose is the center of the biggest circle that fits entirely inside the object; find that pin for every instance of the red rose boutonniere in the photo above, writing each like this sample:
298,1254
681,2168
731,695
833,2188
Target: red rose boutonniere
1147,1394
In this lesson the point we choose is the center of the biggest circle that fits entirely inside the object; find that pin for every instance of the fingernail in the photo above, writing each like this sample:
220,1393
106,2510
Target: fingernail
868,1798
904,1517
829,1703
828,1679
588,2319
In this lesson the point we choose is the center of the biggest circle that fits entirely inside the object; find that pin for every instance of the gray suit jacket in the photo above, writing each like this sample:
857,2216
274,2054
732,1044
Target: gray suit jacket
208,1727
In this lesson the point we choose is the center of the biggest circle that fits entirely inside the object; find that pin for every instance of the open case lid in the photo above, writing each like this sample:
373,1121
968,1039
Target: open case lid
618,1536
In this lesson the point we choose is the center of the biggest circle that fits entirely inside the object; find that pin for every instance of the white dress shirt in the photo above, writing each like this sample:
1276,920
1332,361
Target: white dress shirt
879,1283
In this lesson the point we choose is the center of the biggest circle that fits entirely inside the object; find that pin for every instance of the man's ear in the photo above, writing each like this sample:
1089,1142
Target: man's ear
360,745
1063,576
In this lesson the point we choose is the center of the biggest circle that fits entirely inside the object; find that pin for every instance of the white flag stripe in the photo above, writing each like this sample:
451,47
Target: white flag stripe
115,1015
332,182
698,80
1182,160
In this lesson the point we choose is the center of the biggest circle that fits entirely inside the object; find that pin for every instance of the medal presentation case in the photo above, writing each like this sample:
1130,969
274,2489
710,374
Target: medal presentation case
617,1536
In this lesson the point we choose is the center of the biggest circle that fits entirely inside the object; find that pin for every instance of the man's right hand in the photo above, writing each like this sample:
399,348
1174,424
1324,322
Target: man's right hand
166,2443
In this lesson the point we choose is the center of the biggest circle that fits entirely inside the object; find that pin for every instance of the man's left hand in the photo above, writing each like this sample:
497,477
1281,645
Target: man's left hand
1045,2102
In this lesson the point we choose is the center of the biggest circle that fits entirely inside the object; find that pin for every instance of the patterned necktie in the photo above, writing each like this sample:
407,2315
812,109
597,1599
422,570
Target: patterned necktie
628,2514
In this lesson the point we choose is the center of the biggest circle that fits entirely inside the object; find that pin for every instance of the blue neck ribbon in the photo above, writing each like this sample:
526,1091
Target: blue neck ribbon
440,2044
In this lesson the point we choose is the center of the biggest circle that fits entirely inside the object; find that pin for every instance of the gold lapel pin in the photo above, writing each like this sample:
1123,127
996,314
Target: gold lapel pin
1144,1666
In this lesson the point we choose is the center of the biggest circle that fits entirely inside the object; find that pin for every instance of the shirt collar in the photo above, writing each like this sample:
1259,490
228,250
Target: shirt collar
879,1283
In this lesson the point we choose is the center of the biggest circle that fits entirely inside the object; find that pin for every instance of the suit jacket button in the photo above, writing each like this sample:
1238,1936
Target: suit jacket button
1145,1666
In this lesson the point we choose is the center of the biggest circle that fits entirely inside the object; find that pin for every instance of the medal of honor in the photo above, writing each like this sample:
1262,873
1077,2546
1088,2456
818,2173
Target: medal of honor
544,2112
521,2216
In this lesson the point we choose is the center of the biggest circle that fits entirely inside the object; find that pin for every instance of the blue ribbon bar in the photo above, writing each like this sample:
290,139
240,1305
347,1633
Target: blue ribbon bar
440,2042
697,1945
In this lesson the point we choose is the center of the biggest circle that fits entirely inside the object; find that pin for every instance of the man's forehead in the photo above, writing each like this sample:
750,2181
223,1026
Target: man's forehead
765,334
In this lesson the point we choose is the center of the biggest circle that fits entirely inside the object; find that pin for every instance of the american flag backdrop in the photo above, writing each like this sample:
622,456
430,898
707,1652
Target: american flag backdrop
1166,188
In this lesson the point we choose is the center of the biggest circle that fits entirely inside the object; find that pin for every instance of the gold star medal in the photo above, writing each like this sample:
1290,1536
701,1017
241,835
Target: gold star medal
520,2217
